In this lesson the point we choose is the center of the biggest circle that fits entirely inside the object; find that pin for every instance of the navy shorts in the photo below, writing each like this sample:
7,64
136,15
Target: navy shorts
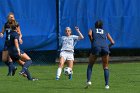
13,53
100,51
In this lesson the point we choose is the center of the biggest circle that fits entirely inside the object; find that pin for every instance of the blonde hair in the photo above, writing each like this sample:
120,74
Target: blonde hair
11,13
12,23
67,28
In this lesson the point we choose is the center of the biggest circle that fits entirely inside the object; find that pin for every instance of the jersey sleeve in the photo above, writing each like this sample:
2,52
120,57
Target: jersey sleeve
16,36
75,37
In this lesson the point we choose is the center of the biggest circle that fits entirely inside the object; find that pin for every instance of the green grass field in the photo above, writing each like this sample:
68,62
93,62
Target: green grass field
124,78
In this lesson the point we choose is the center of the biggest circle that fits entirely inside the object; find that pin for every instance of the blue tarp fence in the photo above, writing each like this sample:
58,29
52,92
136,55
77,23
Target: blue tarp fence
42,21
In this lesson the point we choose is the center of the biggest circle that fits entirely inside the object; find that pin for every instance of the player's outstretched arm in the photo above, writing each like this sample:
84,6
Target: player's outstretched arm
80,34
112,42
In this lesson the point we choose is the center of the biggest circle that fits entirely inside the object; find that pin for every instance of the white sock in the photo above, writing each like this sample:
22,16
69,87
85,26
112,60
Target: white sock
58,73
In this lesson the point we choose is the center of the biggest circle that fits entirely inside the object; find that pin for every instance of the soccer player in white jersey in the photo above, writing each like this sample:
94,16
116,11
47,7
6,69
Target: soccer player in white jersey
67,50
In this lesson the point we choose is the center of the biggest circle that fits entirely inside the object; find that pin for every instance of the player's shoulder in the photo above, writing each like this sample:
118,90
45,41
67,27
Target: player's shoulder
73,36
63,37
6,25
105,31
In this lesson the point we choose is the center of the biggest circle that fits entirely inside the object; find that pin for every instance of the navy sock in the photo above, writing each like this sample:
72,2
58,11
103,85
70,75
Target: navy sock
106,76
11,67
7,64
89,72
28,74
26,65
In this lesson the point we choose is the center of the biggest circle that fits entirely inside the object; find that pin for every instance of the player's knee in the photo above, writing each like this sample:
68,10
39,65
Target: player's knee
61,65
10,60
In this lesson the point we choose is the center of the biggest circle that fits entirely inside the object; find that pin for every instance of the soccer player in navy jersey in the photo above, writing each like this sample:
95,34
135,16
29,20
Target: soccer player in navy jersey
18,55
6,29
99,47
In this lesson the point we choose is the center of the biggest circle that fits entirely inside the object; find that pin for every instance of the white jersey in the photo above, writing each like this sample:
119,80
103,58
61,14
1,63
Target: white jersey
68,42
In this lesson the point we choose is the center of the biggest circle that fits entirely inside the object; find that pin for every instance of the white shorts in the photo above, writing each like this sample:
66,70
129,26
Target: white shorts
67,55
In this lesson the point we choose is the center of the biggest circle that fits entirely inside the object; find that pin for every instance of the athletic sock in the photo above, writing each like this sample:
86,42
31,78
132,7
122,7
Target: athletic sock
28,74
8,65
11,67
106,76
58,73
89,72
26,65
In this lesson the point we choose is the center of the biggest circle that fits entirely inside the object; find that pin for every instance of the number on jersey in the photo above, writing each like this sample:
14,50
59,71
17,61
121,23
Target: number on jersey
100,31
9,34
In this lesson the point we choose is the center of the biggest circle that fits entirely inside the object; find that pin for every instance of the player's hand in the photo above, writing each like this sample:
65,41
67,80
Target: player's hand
1,35
77,28
19,53
110,45
20,41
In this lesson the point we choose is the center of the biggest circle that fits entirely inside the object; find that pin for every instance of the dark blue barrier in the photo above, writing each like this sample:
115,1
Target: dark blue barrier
39,20
121,19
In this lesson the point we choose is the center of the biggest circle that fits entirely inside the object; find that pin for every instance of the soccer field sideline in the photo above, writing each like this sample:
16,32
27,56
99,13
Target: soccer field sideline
123,78
115,59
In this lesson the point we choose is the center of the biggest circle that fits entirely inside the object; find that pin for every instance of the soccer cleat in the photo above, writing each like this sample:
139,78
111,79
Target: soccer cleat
88,84
23,74
106,86
9,74
70,76
34,79
14,71
57,78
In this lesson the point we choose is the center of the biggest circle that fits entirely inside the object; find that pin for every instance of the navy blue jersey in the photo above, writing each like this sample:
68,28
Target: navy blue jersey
12,50
99,38
8,28
12,36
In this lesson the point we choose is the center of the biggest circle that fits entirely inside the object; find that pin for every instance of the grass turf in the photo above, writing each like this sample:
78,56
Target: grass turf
124,78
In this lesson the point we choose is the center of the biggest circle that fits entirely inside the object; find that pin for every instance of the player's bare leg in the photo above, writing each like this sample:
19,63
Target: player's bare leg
6,59
4,56
60,66
24,57
26,62
92,59
70,65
